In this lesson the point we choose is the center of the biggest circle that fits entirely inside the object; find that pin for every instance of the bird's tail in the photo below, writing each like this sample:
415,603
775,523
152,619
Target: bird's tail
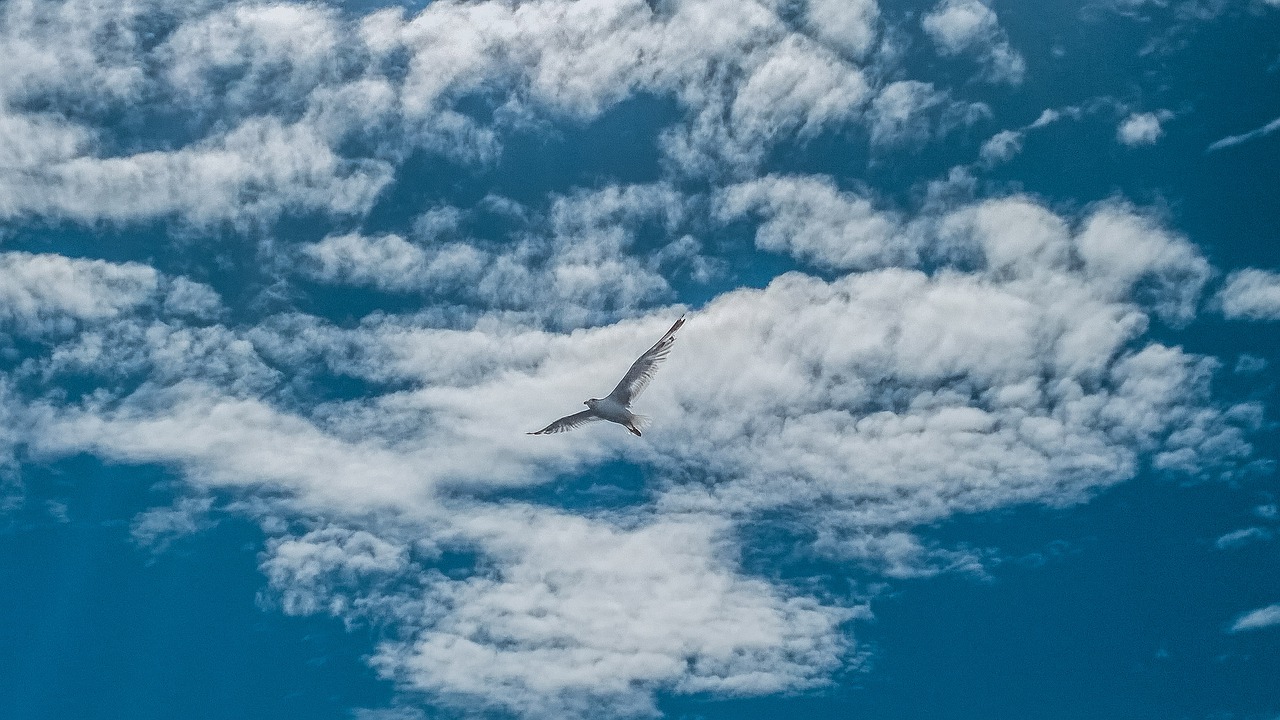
636,423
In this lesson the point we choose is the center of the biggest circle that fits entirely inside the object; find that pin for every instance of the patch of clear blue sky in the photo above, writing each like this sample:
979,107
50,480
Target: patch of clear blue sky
96,627
1114,609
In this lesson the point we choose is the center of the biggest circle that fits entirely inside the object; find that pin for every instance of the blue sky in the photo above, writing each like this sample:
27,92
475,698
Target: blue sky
974,413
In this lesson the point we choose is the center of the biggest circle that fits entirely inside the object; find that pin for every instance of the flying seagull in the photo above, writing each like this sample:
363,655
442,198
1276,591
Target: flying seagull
617,406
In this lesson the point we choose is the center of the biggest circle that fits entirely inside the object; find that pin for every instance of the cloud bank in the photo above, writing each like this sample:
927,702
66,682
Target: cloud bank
908,362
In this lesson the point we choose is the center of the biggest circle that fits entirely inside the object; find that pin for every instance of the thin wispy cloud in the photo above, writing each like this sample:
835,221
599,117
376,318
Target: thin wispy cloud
1260,619
1233,140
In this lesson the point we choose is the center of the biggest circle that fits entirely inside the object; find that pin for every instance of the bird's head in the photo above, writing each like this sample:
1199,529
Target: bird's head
591,403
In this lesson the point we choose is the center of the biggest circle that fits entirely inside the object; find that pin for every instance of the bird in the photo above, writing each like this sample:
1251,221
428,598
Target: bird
616,406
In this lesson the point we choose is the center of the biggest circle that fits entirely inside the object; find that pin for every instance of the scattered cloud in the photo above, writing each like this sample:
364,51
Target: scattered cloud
1248,364
812,220
389,262
1250,294
46,293
305,571
1142,128
157,528
957,355
962,26
1233,140
545,627
1005,144
871,403
1241,537
847,25
1001,147
910,112
1259,619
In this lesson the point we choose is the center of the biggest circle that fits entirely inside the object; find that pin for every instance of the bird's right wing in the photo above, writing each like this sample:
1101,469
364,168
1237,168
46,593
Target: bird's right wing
643,369
568,422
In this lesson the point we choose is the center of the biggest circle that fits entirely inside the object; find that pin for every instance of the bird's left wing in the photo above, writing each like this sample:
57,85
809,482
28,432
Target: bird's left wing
568,422
643,369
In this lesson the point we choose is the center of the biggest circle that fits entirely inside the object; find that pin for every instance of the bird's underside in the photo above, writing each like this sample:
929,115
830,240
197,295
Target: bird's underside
616,406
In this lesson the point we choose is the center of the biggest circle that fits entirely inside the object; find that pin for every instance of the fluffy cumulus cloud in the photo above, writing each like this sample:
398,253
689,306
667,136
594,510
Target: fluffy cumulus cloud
1142,128
546,625
388,262
970,26
812,220
42,293
848,26
578,258
1001,146
911,112
307,570
292,109
1251,294
258,169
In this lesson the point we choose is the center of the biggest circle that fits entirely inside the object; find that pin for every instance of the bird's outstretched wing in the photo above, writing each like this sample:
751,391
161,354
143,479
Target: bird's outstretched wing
568,422
642,370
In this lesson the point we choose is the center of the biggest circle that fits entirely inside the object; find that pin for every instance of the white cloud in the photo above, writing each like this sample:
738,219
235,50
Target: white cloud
972,356
163,352
50,293
1251,294
721,60
1142,128
871,404
1233,140
575,262
1124,248
910,112
959,26
80,60
305,570
956,24
1054,301
30,140
798,88
188,298
11,433
392,713
812,220
1007,143
1048,117
1248,364
545,626
1259,619
848,25
246,57
158,527
256,171
79,48
897,112
1001,147
1241,537
389,262
1019,370
278,89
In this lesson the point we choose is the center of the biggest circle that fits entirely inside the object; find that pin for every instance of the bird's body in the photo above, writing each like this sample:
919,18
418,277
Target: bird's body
616,407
